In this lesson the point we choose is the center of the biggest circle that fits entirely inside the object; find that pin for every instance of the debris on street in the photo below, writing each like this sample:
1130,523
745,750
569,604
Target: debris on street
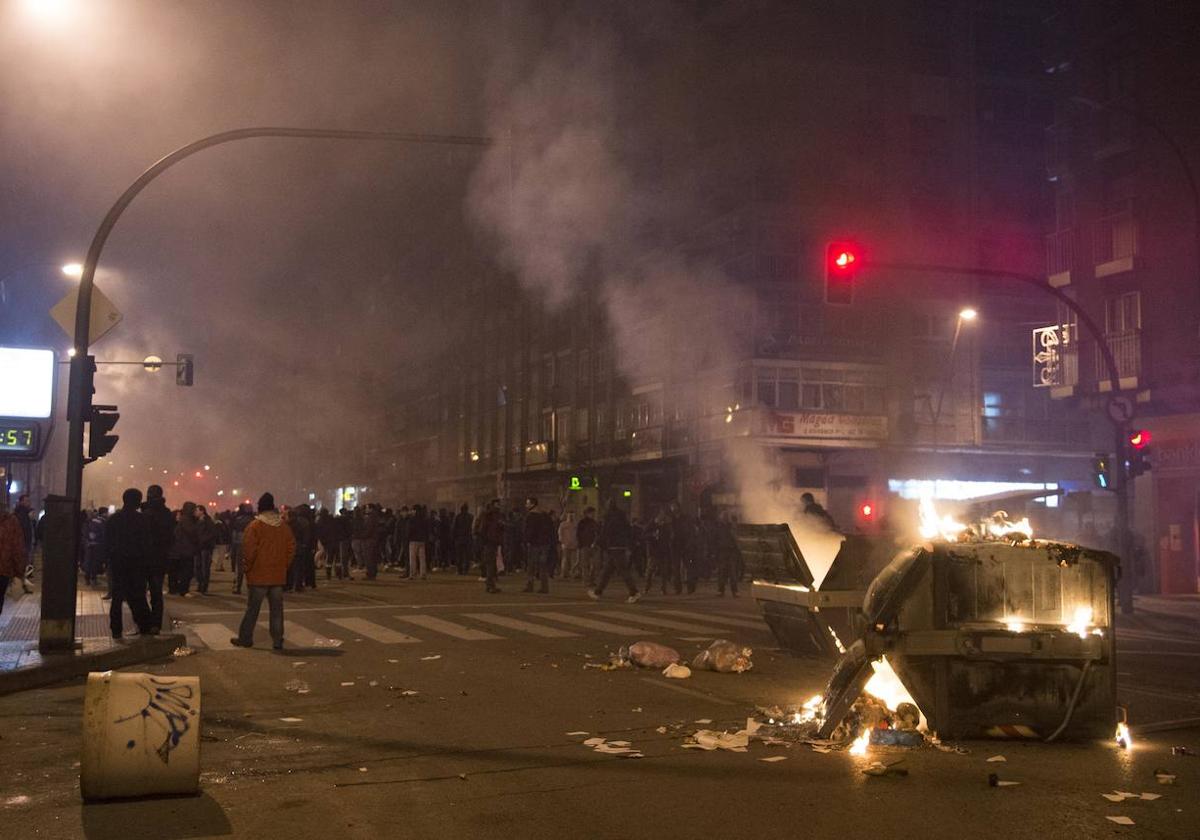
1120,820
321,642
182,651
725,657
431,657
1164,778
997,758
577,733
298,686
650,655
709,739
995,781
291,719
879,769
677,672
620,748
771,759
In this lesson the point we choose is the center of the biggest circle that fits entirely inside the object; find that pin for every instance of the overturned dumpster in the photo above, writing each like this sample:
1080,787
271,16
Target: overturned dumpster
991,639
804,618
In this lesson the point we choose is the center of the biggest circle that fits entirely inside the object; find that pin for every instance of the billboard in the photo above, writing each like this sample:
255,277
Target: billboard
27,376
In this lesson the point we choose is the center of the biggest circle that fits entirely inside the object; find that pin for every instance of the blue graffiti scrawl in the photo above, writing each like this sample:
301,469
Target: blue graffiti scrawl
168,707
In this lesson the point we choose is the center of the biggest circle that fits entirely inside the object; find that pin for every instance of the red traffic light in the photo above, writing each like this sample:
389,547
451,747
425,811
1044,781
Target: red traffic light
842,261
866,510
842,257
1139,439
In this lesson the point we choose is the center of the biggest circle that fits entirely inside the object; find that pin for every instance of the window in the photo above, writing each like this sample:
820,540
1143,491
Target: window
1123,313
1001,416
789,389
766,386
820,389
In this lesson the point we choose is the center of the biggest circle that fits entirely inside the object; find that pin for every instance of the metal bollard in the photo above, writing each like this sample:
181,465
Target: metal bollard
141,735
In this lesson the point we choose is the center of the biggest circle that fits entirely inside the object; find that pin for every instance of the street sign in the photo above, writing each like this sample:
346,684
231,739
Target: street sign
1050,348
105,316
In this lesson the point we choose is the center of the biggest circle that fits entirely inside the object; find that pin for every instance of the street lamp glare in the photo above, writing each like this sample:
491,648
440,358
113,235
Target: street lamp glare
49,11
968,314
73,270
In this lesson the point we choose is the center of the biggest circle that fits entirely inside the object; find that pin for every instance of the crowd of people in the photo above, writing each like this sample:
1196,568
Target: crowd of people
145,545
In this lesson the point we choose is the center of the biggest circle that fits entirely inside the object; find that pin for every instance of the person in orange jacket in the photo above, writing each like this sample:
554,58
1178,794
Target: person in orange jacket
267,550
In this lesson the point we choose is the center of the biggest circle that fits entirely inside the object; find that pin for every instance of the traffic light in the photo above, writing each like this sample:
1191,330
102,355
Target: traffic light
1139,451
185,369
89,388
867,512
102,421
843,259
1102,471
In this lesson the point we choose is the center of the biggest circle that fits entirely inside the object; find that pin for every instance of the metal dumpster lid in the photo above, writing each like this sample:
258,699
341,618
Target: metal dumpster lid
768,549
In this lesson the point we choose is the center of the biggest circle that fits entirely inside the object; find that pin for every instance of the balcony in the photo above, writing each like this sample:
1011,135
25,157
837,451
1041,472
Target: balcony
1114,243
1060,253
1127,352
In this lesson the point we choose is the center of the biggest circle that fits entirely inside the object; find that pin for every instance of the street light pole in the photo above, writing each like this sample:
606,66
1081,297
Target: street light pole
58,602
963,315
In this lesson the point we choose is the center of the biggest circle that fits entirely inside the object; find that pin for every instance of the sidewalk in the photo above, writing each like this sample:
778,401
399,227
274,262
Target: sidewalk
1173,614
22,666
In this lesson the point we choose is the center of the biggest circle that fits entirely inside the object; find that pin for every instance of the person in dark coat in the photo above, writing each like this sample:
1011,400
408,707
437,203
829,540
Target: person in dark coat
162,533
728,555
127,542
237,532
184,548
540,534
462,539
491,538
615,540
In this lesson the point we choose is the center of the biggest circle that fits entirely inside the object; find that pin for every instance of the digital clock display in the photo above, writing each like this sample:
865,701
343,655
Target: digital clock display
18,437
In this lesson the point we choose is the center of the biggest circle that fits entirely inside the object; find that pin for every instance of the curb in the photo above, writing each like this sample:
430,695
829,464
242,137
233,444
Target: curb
63,667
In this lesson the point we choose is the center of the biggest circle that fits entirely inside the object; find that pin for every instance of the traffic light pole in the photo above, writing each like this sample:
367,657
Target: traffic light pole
57,632
1120,423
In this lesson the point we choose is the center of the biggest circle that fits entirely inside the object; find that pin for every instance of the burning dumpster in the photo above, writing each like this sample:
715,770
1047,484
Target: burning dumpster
803,617
990,638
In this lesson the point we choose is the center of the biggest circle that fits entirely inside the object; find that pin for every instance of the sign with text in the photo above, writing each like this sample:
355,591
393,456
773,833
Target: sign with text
815,424
1051,346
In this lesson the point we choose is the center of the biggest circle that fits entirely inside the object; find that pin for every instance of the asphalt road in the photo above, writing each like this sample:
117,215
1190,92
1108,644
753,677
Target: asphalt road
482,748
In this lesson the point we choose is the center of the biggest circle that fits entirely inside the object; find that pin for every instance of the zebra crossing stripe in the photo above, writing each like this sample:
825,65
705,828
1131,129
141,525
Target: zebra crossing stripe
294,634
592,624
715,619
214,636
661,622
440,625
524,626
374,632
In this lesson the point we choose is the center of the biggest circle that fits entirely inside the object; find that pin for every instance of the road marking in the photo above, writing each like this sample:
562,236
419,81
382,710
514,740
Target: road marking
185,615
373,631
214,636
661,622
440,625
294,633
737,622
524,626
592,624
691,692
1152,652
1146,636
1165,695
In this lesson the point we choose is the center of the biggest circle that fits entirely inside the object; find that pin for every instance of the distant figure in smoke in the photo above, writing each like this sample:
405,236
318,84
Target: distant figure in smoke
540,532
237,532
462,527
615,540
184,548
267,551
816,513
491,538
418,536
727,555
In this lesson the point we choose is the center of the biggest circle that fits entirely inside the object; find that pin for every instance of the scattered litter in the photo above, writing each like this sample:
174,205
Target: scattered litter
373,683
724,657
593,742
615,664
1120,820
1150,797
394,661
709,739
14,801
182,650
638,709
996,781
896,738
773,758
1164,778
409,693
997,758
822,750
619,743
1113,797
650,655
462,776
703,720
625,752
677,672
320,642
291,719
576,733
878,768
299,663
362,769
298,686
662,730
431,658
345,684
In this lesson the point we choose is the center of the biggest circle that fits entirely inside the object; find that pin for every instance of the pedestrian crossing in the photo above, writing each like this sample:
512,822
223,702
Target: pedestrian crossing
416,628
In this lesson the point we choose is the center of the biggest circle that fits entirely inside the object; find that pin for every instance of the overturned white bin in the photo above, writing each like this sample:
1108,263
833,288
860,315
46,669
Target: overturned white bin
141,735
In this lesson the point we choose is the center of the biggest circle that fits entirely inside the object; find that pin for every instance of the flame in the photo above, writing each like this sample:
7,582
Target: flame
859,747
1002,529
1014,625
933,525
836,641
811,709
1124,739
885,685
1081,626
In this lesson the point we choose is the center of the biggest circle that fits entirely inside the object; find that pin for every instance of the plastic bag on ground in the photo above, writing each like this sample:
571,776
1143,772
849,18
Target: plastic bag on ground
651,655
724,657
677,672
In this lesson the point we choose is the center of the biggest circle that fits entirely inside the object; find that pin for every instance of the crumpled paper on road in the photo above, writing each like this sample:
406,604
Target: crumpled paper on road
677,672
710,739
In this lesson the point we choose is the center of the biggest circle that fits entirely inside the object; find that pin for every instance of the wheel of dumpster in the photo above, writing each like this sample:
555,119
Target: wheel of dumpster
141,735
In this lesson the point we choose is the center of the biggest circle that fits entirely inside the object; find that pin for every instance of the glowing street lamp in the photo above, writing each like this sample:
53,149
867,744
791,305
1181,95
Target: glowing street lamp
49,12
967,314
73,270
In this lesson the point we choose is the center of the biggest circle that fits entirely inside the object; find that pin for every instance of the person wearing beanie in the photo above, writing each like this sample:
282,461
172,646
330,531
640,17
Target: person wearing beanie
267,550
